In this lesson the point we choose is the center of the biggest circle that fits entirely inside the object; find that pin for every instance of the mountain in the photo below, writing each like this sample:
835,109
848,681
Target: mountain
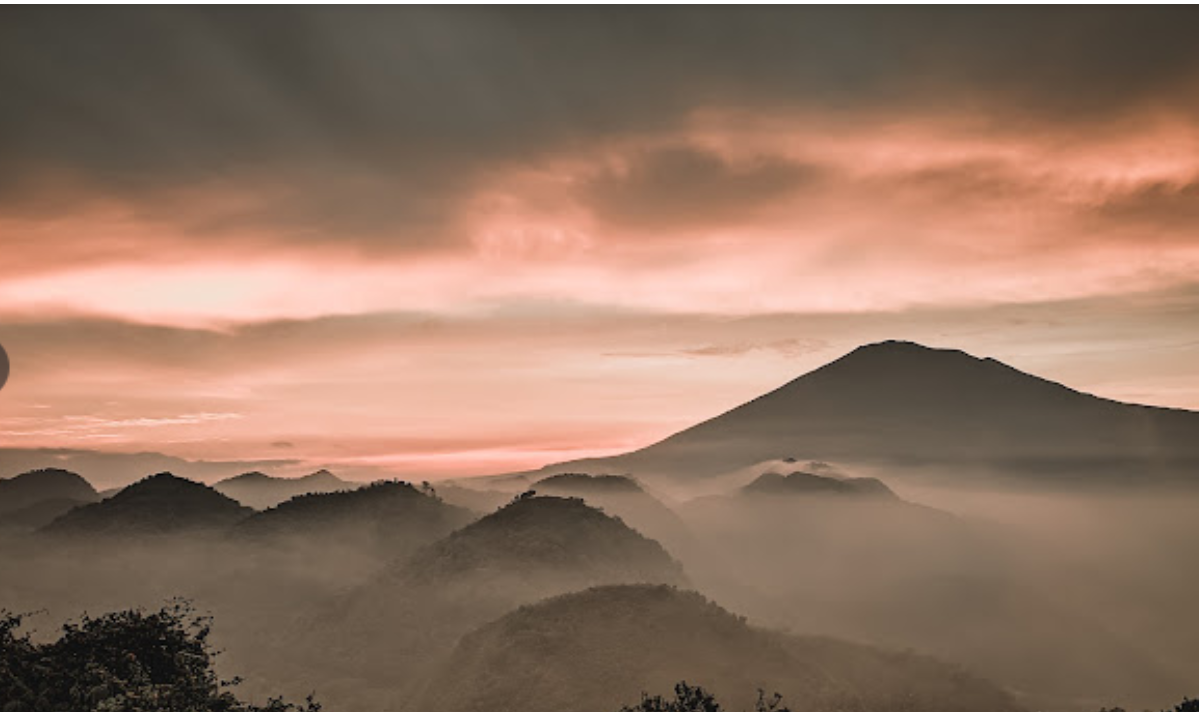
807,483
535,540
825,551
596,650
622,497
30,488
383,637
37,515
904,405
160,504
393,516
254,489
885,571
481,500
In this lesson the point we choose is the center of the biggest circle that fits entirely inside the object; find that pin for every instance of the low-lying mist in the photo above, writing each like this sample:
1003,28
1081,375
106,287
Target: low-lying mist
396,598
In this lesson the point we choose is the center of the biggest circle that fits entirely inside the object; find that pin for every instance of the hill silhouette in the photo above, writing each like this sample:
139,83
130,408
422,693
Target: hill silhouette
901,403
583,483
159,504
390,515
385,636
885,571
30,488
260,491
37,515
594,650
623,497
547,537
807,483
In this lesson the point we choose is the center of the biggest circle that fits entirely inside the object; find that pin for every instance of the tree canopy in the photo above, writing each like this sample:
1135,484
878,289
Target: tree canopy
127,661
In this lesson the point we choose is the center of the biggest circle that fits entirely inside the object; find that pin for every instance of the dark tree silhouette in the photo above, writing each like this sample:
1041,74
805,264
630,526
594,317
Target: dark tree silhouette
1188,705
693,698
128,661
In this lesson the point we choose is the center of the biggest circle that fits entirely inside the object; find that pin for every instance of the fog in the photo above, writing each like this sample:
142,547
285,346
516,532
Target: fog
1050,600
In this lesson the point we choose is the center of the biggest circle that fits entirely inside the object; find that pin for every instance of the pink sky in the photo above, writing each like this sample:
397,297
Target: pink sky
594,291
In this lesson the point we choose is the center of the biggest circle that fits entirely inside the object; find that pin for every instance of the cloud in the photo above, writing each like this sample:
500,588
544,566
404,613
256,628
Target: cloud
418,394
366,125
785,347
387,218
686,188
1157,210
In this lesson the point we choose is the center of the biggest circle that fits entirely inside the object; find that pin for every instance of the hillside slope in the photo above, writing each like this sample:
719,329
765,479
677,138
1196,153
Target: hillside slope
160,504
254,489
595,650
900,403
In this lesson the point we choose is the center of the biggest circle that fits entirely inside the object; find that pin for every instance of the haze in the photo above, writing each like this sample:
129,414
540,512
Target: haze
452,359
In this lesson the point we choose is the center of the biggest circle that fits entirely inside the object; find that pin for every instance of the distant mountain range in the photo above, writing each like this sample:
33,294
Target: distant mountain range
392,516
905,405
40,485
35,498
254,489
160,504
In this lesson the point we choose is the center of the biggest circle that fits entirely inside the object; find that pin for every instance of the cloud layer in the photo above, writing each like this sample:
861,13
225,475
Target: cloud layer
248,224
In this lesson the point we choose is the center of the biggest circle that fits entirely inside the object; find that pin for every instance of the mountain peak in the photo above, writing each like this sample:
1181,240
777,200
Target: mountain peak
807,483
51,483
898,345
898,349
580,482
903,403
540,534
160,503
254,476
164,481
322,475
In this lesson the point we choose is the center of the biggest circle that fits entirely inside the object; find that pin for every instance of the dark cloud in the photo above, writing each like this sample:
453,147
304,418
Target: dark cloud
418,101
1155,210
683,187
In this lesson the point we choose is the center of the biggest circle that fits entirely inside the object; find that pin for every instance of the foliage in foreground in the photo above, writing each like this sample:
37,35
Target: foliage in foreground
1188,705
128,661
693,698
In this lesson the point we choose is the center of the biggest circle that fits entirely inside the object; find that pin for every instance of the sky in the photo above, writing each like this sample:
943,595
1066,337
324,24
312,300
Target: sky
433,242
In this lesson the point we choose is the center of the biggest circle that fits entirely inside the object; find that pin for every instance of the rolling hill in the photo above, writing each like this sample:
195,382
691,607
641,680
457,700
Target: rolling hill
385,636
622,497
30,488
254,489
160,504
595,650
392,516
807,484
535,541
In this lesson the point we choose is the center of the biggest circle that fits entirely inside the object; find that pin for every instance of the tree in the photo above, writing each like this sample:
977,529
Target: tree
693,698
128,661
1188,705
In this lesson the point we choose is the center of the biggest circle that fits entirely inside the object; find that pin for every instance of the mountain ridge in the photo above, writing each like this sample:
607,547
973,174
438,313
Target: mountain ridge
902,403
262,491
158,504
